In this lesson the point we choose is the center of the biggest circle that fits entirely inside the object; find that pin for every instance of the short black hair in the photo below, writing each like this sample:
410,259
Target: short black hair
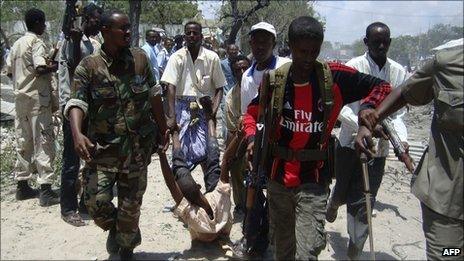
238,58
193,23
178,38
305,27
376,25
32,17
90,9
107,17
151,31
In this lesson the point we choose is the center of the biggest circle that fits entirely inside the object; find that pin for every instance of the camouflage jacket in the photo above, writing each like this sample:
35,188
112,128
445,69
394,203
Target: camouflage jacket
114,96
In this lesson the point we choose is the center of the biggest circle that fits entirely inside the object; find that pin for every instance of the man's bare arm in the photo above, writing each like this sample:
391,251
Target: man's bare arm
81,143
171,113
217,100
169,179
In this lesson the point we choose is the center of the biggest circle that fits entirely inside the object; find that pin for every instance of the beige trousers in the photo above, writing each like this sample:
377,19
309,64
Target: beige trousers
35,145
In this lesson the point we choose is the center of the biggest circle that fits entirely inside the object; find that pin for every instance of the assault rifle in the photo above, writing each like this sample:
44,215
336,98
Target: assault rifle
256,222
398,147
71,13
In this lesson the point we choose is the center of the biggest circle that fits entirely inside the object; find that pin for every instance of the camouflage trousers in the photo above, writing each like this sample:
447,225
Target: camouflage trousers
98,196
35,145
297,218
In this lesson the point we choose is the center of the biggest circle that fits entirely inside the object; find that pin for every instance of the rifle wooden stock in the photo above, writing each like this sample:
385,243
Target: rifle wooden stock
261,142
398,147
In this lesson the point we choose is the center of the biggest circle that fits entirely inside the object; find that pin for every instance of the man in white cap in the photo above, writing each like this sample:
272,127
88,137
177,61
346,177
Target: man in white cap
262,41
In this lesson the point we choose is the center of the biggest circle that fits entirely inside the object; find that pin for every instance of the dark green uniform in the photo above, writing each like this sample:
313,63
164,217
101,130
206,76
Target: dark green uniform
438,182
114,95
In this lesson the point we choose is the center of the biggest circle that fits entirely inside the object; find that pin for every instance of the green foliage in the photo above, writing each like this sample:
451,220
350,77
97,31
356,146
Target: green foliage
406,48
11,11
15,10
278,13
167,12
157,12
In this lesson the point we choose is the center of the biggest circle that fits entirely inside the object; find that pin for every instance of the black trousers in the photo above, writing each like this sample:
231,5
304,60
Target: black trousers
69,172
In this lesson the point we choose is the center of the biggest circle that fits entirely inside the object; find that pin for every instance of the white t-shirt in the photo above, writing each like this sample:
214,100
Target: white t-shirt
251,80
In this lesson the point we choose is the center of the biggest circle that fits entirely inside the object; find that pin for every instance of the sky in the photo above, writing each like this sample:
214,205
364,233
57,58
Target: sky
346,21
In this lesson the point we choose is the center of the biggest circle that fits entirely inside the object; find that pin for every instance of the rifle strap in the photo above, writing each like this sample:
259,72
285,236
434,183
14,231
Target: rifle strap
324,75
278,80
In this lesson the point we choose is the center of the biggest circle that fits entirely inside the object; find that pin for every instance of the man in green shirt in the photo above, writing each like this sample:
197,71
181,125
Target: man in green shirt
116,95
438,179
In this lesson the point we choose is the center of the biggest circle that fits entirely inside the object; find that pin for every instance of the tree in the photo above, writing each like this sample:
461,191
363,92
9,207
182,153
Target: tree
163,13
240,14
135,7
157,12
248,13
12,11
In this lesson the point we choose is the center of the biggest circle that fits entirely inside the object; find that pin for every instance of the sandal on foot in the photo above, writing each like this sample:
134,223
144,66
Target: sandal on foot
73,219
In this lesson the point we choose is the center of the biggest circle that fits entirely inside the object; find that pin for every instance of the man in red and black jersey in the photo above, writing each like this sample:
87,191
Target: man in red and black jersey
298,189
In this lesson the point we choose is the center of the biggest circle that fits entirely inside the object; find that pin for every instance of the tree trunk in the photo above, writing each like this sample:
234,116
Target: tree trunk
135,7
5,39
237,24
239,19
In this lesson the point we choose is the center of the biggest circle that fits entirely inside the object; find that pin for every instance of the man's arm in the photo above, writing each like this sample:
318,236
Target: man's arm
170,78
417,90
217,100
38,58
169,178
82,144
171,113
219,81
76,110
230,155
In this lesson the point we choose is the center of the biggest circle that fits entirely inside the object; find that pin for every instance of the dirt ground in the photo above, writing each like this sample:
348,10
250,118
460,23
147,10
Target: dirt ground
29,231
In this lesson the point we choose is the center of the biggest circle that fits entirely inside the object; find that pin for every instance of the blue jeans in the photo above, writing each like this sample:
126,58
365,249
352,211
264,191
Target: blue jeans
69,172
349,190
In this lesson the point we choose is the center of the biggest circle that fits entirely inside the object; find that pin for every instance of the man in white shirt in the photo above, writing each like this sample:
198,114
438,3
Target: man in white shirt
191,73
349,186
262,42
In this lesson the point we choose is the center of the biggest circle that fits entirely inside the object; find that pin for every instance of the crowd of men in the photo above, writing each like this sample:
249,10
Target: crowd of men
121,104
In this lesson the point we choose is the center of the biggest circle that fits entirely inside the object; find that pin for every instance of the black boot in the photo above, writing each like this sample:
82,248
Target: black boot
47,196
126,253
112,246
23,191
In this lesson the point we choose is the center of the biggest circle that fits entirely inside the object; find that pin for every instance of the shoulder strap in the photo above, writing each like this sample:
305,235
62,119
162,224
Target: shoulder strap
278,79
324,76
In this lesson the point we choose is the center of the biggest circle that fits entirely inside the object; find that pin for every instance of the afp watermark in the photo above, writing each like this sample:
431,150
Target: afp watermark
450,251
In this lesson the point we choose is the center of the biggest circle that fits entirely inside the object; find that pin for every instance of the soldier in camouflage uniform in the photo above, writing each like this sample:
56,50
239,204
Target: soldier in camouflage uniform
115,93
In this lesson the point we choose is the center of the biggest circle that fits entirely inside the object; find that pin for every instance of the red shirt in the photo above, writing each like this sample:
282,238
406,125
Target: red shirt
302,118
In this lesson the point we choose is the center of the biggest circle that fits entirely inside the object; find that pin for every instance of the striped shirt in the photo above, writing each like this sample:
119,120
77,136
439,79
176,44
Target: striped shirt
301,123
